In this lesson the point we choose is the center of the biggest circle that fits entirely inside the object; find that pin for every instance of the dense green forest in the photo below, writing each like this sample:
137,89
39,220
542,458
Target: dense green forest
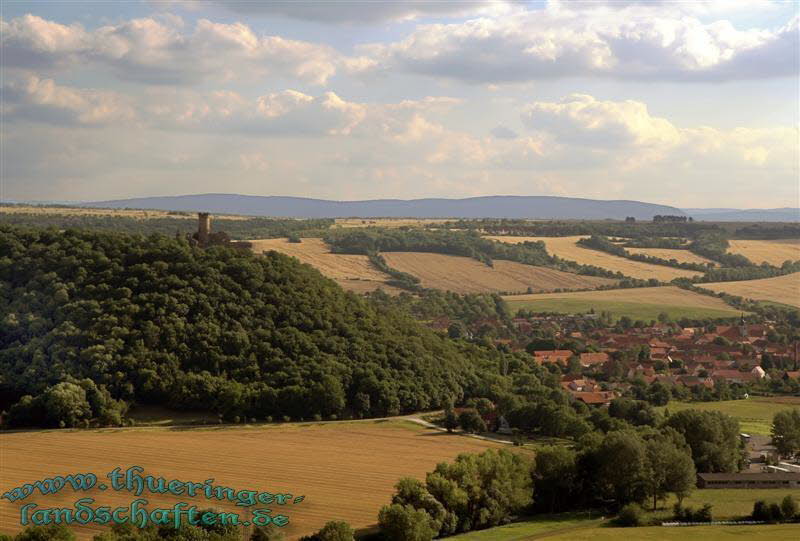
91,318
768,232
181,222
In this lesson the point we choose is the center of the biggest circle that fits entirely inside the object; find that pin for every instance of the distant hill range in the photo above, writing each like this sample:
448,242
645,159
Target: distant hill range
785,214
542,207
499,206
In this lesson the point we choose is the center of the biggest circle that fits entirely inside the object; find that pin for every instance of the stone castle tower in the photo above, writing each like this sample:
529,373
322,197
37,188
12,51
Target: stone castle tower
203,228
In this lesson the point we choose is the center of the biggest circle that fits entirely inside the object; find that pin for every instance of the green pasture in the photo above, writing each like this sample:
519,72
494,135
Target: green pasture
540,526
633,310
766,532
754,414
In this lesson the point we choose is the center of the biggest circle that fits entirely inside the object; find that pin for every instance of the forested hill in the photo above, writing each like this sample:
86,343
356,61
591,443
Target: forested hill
88,318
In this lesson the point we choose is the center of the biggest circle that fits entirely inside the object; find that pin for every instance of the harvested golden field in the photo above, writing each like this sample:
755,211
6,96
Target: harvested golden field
566,248
774,252
125,213
643,303
467,275
682,256
352,272
346,471
782,289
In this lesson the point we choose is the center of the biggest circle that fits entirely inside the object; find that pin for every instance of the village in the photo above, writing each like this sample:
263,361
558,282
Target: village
602,364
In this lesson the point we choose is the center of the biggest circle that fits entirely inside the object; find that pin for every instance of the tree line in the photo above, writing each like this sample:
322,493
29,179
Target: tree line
180,222
603,244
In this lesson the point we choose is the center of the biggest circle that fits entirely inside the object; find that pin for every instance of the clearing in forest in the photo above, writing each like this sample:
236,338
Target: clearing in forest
352,272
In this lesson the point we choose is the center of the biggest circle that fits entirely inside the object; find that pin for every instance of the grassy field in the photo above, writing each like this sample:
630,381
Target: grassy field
352,272
467,275
644,303
345,471
772,532
727,504
774,252
781,289
539,526
754,414
682,256
566,248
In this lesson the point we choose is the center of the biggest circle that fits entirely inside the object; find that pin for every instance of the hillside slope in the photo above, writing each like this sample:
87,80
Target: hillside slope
153,320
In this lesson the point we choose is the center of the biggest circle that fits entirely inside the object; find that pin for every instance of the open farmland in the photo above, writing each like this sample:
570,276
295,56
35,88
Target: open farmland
781,289
387,222
352,272
644,303
345,470
122,213
467,275
566,248
774,252
681,256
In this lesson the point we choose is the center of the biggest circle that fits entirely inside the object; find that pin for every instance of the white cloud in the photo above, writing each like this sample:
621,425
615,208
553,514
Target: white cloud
352,11
42,100
644,44
581,119
163,51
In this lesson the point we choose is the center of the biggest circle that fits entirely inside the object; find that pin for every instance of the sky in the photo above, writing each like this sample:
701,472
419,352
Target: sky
685,103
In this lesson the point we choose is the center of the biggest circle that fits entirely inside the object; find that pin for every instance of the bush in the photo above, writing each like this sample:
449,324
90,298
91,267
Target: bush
332,531
767,512
630,515
404,523
688,514
267,533
775,512
760,511
471,422
789,507
703,514
51,532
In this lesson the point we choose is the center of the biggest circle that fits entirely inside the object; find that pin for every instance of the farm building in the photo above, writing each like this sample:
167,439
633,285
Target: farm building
748,480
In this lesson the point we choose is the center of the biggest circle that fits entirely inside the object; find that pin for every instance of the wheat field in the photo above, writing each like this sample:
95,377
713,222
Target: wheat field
566,248
774,252
781,289
467,275
346,471
352,272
